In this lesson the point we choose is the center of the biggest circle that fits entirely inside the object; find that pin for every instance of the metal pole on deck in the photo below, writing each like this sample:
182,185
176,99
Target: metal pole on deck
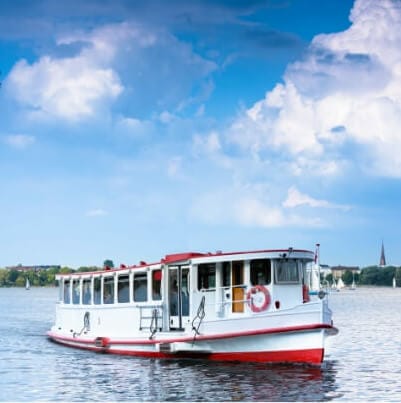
318,262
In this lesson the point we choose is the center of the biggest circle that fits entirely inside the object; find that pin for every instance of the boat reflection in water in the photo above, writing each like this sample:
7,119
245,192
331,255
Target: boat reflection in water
249,306
200,380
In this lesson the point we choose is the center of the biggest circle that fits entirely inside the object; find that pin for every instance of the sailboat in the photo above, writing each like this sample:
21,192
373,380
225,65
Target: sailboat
27,284
394,283
340,284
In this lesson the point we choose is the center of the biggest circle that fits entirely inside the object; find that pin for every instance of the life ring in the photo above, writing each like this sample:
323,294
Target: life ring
258,298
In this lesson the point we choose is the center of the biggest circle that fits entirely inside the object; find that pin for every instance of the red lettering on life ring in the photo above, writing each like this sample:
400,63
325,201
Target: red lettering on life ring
258,298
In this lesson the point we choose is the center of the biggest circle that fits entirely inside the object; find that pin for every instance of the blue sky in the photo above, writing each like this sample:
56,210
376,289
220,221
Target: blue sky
130,130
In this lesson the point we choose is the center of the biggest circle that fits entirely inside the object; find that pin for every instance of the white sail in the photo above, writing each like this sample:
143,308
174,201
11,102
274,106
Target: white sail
27,284
315,278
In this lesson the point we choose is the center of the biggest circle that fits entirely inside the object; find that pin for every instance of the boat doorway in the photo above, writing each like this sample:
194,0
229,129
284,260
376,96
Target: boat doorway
178,295
237,287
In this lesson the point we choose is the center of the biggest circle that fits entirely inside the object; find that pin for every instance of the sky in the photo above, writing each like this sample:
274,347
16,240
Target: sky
130,130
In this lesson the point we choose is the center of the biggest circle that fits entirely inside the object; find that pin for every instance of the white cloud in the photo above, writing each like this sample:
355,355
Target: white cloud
19,140
96,213
295,199
342,99
70,89
134,128
114,61
209,144
248,206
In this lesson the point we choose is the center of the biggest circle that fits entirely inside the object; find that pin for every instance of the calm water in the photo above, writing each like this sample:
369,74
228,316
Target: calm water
363,362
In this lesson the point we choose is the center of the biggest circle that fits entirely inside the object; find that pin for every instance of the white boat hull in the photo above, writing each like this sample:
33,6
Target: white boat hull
270,345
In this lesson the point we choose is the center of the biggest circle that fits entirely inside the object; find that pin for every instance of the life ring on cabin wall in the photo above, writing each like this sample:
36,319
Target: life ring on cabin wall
258,298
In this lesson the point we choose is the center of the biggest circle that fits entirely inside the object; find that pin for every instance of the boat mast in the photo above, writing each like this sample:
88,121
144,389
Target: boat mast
317,262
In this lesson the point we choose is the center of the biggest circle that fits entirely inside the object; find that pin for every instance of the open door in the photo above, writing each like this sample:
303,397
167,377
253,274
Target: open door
237,290
178,286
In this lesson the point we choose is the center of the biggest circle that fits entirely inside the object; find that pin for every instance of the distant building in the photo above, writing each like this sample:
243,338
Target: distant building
382,257
34,268
338,271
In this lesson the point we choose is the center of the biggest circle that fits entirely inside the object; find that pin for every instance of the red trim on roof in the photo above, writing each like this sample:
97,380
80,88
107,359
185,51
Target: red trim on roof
177,257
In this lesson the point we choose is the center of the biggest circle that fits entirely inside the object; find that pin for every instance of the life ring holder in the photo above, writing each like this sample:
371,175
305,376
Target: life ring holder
266,296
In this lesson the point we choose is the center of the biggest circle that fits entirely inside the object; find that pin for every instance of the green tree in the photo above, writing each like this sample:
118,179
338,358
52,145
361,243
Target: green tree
374,275
12,276
20,280
3,277
108,263
398,276
347,277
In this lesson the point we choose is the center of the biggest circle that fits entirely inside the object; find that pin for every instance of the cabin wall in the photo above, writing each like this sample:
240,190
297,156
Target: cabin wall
220,288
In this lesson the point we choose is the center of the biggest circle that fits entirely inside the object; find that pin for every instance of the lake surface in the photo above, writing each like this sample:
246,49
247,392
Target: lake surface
363,362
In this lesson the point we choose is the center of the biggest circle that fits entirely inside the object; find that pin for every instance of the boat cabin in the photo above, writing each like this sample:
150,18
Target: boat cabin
177,292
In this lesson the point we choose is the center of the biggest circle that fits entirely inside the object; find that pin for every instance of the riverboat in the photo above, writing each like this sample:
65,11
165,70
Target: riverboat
241,306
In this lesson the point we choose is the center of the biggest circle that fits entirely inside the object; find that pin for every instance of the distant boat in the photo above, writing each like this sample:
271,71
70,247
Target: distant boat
27,284
340,284
394,283
353,285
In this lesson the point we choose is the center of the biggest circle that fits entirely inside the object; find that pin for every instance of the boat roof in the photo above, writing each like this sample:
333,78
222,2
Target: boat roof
198,257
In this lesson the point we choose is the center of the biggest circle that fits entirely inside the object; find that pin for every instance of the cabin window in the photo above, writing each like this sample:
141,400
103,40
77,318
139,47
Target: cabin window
87,294
108,290
206,276
260,272
287,271
97,290
123,288
226,274
156,285
76,292
66,291
140,287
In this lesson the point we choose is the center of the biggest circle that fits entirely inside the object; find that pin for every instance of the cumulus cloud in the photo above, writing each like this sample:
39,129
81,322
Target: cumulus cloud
295,199
248,206
134,128
70,89
109,64
19,140
342,99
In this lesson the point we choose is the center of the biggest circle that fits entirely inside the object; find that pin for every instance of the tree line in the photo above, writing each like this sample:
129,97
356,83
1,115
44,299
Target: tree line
371,275
42,277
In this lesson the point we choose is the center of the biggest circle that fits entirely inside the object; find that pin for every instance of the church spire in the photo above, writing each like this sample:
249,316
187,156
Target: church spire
382,257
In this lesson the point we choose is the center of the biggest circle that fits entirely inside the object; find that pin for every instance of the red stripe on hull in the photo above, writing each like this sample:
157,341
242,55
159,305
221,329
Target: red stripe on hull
307,356
326,327
310,356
